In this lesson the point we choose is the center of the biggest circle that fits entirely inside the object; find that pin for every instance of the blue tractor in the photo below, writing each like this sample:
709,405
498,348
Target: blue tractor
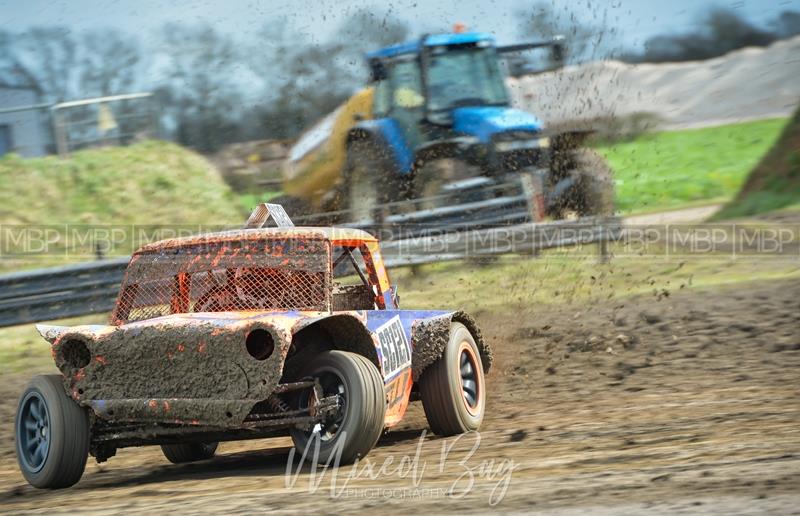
442,121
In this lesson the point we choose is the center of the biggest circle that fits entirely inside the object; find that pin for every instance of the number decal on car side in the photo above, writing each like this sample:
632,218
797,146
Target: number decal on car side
395,348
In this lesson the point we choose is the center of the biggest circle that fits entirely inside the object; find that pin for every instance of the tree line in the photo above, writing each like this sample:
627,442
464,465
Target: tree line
213,88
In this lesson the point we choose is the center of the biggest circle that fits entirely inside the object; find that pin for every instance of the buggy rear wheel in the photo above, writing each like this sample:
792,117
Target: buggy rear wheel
453,387
188,452
52,434
353,430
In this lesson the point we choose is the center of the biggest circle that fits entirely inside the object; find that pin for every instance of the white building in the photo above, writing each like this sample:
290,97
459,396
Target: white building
24,127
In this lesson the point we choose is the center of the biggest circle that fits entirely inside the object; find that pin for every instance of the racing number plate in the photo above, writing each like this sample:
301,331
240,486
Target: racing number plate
395,348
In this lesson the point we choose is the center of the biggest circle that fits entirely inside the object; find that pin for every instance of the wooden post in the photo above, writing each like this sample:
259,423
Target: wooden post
533,189
602,245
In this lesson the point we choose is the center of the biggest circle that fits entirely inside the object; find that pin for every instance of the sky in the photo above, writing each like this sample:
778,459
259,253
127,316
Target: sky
636,19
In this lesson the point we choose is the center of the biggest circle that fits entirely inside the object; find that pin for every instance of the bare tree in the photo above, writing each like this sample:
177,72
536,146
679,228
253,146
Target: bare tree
306,80
110,63
65,66
302,80
201,86
11,69
45,57
370,29
720,30
786,24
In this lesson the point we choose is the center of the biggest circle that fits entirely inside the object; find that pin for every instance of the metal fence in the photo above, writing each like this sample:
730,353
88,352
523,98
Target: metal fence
59,292
89,288
114,120
33,130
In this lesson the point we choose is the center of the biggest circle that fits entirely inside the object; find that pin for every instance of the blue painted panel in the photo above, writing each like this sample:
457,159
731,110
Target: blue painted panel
389,130
412,47
485,121
457,38
377,318
409,47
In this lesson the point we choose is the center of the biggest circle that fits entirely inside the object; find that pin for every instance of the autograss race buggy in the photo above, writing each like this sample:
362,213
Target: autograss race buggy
245,334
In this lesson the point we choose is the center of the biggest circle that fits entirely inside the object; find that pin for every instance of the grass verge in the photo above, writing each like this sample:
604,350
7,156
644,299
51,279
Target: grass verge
775,182
152,182
669,169
56,210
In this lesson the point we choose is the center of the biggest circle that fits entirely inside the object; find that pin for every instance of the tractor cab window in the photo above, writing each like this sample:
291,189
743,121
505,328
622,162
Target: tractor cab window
382,100
407,100
406,85
468,76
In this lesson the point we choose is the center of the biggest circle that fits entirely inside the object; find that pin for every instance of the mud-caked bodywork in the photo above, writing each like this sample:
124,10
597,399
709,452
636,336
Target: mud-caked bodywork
211,337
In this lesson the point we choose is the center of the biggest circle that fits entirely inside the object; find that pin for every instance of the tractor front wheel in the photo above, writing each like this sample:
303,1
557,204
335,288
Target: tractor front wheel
371,181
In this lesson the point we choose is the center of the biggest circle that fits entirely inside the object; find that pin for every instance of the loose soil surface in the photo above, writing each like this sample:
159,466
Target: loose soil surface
677,402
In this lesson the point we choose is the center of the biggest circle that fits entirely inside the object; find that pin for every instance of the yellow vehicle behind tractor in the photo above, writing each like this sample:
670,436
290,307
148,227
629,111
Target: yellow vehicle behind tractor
313,174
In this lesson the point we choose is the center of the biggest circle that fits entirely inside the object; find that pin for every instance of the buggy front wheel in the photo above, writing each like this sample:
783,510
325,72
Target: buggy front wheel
352,431
52,434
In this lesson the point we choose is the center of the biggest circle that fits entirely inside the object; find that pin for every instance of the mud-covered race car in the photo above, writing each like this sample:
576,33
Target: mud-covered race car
248,334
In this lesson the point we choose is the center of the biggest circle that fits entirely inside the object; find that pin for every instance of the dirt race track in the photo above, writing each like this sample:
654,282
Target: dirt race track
689,402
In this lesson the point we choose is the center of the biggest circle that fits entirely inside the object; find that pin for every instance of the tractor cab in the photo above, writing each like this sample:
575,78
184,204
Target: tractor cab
436,75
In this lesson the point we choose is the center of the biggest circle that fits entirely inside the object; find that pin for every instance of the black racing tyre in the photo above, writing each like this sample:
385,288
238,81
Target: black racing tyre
453,389
594,181
188,452
52,434
353,431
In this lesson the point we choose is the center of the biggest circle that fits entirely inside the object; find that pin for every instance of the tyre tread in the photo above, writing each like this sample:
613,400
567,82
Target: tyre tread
72,421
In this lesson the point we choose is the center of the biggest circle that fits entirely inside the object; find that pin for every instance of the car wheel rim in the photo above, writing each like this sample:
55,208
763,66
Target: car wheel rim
470,378
33,432
332,385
